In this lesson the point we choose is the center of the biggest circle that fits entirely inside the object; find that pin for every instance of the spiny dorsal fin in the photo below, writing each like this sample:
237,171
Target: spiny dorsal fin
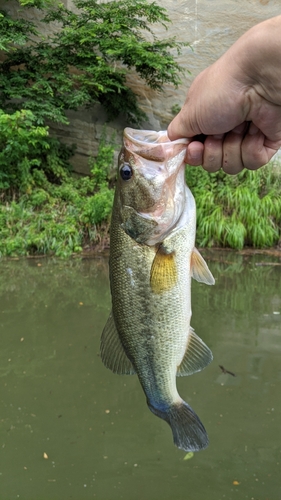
163,275
199,269
112,352
197,356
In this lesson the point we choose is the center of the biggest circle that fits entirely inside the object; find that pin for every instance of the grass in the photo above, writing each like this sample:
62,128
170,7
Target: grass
60,217
237,211
57,226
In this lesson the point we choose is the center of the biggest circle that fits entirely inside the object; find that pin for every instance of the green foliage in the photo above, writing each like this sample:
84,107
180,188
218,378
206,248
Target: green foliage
21,145
175,109
237,211
99,165
86,60
14,32
39,4
28,156
62,217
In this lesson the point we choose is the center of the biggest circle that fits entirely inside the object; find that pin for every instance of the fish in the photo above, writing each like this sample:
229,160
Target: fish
152,260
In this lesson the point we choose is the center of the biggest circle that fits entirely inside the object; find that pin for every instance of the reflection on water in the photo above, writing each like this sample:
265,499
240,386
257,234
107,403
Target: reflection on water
70,429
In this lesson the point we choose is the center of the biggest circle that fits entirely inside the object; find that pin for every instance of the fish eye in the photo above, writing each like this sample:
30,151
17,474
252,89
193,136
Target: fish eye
126,172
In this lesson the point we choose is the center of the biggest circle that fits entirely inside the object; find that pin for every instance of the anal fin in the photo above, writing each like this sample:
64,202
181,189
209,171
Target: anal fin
197,356
112,351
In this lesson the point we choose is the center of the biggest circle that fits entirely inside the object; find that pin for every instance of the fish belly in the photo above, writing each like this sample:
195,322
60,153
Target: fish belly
153,327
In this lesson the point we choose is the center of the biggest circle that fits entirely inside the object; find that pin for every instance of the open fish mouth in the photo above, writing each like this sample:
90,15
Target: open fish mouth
153,202
152,145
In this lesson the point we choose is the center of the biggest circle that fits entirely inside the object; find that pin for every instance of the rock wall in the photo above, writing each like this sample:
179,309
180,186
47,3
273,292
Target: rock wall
210,26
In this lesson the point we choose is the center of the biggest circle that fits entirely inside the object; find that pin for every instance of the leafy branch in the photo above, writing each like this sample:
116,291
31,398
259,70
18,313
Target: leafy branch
86,60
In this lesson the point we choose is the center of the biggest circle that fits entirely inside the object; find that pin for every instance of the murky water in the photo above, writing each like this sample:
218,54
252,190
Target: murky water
70,429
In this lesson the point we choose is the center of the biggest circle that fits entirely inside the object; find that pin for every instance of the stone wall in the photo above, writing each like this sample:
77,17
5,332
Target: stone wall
210,26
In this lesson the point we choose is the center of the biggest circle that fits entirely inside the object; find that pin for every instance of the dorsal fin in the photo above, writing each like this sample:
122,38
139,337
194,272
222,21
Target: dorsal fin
197,356
112,351
163,275
199,269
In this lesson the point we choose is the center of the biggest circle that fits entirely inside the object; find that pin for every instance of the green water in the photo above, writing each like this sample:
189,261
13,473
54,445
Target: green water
99,439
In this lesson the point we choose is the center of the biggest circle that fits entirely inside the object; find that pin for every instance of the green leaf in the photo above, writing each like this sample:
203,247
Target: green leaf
100,42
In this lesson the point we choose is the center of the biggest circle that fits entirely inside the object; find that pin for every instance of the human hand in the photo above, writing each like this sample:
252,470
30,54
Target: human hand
236,104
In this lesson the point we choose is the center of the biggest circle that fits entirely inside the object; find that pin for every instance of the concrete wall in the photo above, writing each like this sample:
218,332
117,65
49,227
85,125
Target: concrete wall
210,26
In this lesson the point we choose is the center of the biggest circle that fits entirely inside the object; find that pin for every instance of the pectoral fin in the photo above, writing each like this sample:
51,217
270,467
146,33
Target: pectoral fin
197,356
112,351
163,275
199,269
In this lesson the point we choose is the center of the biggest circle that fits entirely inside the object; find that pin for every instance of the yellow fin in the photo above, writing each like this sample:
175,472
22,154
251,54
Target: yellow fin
199,269
163,275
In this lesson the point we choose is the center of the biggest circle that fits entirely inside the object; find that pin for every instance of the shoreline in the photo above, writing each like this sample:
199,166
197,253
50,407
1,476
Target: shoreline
100,250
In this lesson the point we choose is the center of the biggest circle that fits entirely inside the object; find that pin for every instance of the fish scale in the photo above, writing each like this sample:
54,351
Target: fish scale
152,260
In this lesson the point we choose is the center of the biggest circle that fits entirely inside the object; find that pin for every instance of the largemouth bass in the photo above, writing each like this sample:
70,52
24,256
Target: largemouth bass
152,261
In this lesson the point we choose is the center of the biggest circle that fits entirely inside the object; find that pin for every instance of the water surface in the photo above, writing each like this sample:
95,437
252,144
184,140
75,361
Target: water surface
70,429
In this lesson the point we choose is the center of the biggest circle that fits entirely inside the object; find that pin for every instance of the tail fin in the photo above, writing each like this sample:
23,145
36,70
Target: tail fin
188,431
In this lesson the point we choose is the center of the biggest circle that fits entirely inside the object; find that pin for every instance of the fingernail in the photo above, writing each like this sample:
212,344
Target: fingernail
193,155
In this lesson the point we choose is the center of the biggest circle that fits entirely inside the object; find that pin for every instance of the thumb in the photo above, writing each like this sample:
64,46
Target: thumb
182,125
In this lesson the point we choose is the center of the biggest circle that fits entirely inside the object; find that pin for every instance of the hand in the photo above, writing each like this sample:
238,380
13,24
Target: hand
236,103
